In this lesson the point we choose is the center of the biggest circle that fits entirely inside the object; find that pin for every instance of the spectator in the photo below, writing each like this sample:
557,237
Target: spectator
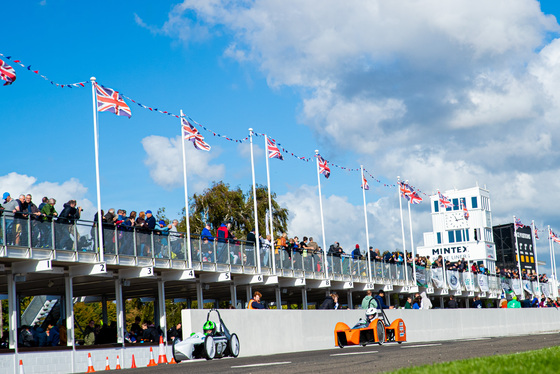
53,333
223,236
452,303
250,248
477,303
206,233
380,302
330,302
150,220
48,211
356,253
369,301
313,245
175,240
90,333
513,303
266,246
25,337
175,332
65,221
417,304
44,201
408,304
136,328
255,302
150,333
426,302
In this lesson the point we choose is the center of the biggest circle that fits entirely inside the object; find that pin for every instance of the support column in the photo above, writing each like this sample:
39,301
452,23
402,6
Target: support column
441,303
199,296
121,323
161,305
304,298
12,309
69,301
350,301
233,294
278,292
249,293
104,317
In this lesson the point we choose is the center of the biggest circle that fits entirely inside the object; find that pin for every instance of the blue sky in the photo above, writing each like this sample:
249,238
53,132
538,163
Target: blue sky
445,95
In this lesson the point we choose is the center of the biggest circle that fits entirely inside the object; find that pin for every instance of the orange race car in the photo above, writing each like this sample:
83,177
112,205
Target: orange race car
374,329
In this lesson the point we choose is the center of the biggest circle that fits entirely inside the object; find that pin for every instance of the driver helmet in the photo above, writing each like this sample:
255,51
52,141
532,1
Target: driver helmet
371,313
209,328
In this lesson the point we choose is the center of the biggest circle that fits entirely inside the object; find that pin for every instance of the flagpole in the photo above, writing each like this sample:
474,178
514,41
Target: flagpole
365,218
187,219
535,250
269,204
97,184
554,261
400,210
551,249
411,246
322,220
518,253
257,246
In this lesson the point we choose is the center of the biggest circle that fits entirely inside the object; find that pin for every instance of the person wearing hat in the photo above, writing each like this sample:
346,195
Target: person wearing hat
513,303
161,245
356,253
150,220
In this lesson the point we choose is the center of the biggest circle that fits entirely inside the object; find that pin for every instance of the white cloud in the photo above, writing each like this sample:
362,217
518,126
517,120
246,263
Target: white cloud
17,184
164,159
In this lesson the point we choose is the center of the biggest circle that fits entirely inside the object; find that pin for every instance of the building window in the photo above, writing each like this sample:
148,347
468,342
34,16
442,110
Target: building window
451,236
436,206
455,204
474,202
466,235
458,236
439,237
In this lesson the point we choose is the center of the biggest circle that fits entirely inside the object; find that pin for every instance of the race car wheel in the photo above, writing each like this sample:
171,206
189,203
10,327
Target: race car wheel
380,332
209,348
175,341
233,345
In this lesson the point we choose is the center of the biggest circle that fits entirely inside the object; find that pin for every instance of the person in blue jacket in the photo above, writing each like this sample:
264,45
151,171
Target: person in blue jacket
380,302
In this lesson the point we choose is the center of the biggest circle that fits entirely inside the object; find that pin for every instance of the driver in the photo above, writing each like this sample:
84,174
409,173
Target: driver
371,313
209,328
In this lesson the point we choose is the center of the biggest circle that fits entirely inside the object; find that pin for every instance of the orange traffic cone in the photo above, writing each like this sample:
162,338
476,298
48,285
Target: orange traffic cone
133,362
118,364
162,359
172,361
21,367
152,361
107,367
90,368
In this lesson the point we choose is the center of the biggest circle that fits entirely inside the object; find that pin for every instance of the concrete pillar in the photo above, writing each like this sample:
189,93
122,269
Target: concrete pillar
441,303
199,295
104,310
278,292
69,301
233,294
304,298
161,305
350,301
119,302
12,312
249,293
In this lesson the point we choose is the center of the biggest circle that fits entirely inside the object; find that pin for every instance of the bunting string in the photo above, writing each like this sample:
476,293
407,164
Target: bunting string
226,137
28,67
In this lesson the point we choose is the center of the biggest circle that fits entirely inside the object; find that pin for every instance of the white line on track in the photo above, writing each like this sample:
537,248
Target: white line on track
264,364
472,339
546,333
420,345
353,353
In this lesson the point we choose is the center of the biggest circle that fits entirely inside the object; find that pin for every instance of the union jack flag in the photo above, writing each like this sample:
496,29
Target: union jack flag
109,100
518,223
444,201
406,190
191,133
536,233
415,198
553,236
323,167
7,73
465,211
365,184
273,151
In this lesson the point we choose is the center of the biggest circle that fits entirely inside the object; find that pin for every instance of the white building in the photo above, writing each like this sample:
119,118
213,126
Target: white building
456,236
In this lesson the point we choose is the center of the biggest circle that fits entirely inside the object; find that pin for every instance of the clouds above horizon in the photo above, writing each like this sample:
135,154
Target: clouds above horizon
163,159
446,94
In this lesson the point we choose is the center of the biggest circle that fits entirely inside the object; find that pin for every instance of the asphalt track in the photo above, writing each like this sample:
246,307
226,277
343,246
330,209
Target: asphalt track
370,359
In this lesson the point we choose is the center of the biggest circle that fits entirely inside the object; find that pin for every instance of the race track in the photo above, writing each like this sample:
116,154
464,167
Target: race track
370,359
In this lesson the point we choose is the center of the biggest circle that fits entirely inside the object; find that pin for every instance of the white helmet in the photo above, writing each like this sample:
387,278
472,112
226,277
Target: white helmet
371,312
